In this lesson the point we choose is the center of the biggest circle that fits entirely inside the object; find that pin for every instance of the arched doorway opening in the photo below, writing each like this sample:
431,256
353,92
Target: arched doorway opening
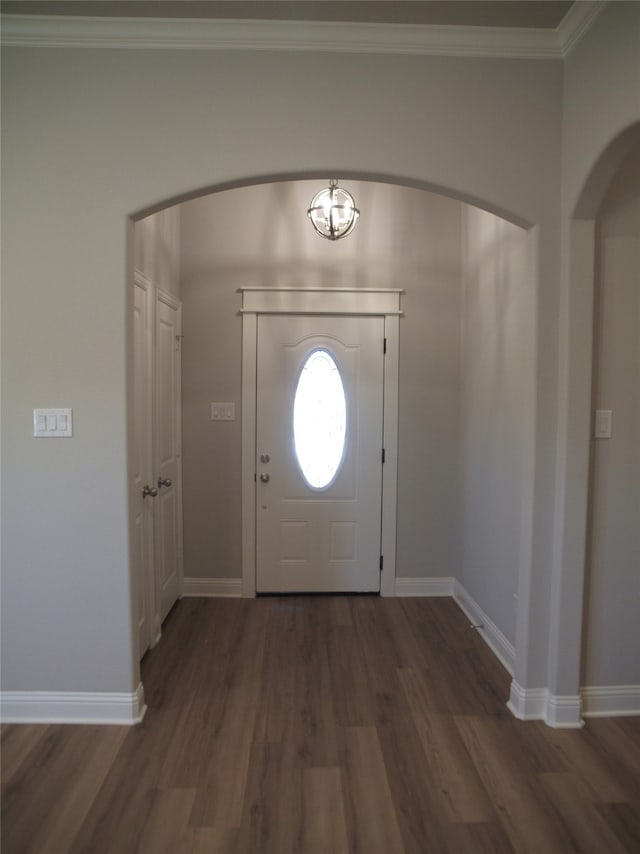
467,380
575,430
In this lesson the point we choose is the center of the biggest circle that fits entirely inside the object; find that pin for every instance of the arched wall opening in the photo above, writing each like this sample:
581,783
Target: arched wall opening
467,383
610,633
570,619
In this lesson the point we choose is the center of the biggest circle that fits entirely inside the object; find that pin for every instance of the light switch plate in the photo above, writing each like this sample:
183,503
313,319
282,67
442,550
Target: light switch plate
223,412
603,424
53,423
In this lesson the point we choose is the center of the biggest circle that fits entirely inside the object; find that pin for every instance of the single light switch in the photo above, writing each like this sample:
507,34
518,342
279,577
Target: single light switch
603,423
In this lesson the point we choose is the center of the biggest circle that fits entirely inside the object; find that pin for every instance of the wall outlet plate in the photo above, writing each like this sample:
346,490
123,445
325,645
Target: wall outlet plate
603,423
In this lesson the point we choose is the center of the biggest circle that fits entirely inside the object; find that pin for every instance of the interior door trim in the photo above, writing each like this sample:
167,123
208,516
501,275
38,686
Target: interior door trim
321,301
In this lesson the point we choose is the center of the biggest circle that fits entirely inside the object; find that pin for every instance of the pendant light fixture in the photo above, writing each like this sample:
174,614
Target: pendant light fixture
333,212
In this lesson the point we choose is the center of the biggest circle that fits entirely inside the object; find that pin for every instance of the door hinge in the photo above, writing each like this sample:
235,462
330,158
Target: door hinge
381,563
384,456
179,342
384,345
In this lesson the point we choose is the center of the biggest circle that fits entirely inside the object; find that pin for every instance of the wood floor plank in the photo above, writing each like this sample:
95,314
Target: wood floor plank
617,742
372,823
93,760
511,787
586,826
272,817
402,638
118,814
16,744
281,655
476,838
52,794
323,823
578,752
382,649
168,816
464,798
624,821
415,790
213,754
222,772
208,840
352,692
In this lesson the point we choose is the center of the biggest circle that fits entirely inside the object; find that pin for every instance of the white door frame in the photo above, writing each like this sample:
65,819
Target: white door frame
322,301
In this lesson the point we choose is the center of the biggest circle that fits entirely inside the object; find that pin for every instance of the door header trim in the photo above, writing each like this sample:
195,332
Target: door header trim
356,301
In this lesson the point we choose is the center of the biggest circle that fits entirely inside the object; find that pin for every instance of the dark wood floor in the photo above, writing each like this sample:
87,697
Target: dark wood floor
322,725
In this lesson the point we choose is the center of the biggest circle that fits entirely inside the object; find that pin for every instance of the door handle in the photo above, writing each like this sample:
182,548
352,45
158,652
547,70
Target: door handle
149,490
164,481
264,477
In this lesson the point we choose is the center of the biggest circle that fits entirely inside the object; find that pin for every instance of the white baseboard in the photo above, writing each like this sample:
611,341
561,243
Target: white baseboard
537,704
212,587
564,712
568,712
502,648
527,704
610,701
71,707
424,586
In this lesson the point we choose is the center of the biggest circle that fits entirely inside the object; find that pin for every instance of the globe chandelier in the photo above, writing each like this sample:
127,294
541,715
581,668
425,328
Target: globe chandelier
333,212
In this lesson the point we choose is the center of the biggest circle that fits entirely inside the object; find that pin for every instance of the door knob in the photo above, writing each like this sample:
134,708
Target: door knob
264,477
149,490
164,481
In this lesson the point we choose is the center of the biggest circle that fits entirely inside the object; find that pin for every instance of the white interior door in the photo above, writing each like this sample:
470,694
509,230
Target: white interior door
318,499
167,452
142,508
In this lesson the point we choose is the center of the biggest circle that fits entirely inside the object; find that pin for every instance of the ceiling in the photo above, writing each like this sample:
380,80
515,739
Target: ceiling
520,14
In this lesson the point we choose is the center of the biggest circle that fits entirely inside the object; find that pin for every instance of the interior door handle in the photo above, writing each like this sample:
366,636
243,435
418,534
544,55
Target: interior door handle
264,477
149,490
164,481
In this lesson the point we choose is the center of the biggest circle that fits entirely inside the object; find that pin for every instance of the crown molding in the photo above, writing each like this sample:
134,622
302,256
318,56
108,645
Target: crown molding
577,22
211,34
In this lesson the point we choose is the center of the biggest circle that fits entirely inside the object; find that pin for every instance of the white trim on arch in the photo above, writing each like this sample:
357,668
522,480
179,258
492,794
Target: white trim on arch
320,301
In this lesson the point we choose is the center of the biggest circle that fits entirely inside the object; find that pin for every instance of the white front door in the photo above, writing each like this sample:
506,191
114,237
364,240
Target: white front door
319,440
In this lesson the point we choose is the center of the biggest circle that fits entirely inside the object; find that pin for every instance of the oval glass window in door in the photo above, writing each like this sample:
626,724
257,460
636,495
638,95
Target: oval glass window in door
319,420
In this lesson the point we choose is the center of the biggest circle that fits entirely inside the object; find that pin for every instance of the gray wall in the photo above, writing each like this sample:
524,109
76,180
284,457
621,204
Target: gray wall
612,636
260,235
496,395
